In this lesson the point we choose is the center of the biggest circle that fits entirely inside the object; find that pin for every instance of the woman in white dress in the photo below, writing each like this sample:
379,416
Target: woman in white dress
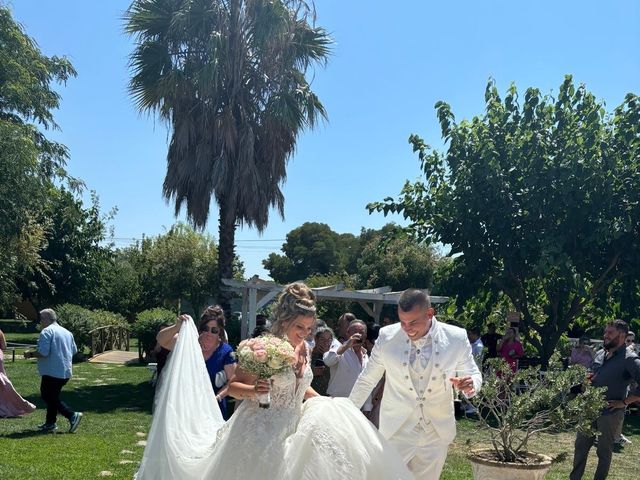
321,438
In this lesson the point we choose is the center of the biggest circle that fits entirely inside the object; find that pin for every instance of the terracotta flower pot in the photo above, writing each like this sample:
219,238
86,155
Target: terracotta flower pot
484,468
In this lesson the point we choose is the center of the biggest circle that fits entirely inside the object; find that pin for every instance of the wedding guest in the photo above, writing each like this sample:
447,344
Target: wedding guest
388,320
421,358
633,386
321,373
218,355
510,348
477,347
11,403
259,331
261,320
373,331
615,367
161,355
347,361
477,350
55,352
582,354
343,324
490,340
630,341
372,335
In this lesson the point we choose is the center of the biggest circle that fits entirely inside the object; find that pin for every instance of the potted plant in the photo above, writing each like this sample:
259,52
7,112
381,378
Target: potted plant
514,407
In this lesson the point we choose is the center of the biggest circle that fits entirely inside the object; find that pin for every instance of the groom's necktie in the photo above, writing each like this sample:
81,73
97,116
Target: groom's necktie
420,353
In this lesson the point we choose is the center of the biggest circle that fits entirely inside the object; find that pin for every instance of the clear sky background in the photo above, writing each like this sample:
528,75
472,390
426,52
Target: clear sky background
392,62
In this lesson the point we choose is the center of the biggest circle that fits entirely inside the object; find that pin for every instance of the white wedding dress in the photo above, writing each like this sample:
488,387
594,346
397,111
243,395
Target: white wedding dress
321,439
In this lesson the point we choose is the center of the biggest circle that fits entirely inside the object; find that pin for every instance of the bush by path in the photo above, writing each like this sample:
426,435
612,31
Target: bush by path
147,325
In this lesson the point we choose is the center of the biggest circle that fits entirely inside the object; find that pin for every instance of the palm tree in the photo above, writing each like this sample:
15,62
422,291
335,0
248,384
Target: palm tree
229,78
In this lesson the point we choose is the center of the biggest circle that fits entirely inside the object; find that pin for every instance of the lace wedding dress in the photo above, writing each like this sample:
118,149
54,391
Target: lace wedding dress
320,439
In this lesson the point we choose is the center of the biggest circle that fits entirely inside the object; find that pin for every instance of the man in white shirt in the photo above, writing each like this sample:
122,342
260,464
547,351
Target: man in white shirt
424,360
346,361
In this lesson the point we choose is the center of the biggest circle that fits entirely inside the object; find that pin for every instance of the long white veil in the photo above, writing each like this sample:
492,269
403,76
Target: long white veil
186,417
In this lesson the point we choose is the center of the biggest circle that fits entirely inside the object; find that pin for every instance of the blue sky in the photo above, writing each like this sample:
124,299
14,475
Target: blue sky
392,61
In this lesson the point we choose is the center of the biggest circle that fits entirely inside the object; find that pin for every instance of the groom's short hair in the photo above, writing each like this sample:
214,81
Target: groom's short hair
413,297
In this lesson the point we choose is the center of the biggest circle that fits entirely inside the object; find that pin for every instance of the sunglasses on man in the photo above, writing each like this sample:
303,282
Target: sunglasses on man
214,330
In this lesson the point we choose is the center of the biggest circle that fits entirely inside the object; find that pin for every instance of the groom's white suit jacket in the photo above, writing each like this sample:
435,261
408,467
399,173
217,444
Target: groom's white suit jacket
451,353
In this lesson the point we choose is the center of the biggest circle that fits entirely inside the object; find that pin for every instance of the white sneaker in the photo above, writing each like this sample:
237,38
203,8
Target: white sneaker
622,440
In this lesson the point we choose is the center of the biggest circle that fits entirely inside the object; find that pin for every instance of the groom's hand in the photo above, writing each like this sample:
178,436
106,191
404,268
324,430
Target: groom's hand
463,384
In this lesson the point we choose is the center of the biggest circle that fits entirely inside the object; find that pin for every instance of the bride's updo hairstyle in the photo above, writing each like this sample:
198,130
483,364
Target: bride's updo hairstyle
296,299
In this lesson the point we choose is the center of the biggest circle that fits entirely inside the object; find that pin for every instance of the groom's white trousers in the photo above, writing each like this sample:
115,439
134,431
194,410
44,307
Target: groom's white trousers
422,449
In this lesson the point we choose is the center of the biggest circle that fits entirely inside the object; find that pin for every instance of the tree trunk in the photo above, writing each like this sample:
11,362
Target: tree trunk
226,254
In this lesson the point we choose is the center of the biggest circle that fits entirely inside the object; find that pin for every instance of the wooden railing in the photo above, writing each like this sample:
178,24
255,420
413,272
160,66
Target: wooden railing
110,337
13,346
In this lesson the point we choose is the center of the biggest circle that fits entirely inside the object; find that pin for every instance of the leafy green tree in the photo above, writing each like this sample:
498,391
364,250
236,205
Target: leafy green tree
390,257
172,269
312,249
184,266
74,253
229,78
538,199
28,160
120,288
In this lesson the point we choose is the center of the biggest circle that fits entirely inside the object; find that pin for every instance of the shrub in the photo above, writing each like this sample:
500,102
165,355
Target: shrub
147,325
513,407
80,321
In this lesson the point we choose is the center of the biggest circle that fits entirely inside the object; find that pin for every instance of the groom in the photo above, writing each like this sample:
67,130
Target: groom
423,360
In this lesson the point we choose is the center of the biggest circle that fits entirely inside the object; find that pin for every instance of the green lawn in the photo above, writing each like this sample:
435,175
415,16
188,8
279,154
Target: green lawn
117,405
116,401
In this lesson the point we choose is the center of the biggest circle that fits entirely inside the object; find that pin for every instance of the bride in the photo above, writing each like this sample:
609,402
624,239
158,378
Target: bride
321,438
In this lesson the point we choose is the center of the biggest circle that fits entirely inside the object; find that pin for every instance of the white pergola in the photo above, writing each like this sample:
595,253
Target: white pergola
256,293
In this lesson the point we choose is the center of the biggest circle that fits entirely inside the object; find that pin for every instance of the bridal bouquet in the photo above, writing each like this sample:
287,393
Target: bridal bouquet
265,357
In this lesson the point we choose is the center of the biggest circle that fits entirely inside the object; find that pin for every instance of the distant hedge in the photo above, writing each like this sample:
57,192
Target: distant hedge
147,325
80,321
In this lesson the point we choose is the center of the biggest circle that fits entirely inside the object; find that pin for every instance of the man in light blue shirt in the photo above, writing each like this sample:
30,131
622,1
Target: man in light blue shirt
56,349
